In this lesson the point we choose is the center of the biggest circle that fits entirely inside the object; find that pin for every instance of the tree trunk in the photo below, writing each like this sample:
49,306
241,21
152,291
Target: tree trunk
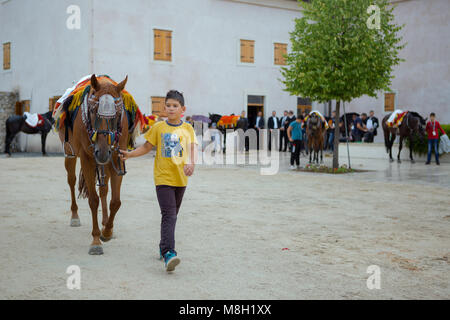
337,134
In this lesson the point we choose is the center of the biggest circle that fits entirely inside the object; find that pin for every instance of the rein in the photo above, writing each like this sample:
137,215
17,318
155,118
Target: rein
113,132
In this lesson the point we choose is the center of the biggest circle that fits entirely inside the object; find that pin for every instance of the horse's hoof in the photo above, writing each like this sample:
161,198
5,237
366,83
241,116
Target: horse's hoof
399,161
391,160
106,239
75,223
95,250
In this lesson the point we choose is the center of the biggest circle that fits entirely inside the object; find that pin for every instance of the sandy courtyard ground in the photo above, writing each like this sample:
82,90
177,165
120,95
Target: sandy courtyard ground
240,235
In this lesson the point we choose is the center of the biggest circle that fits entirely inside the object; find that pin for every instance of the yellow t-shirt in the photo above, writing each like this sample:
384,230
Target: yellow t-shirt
172,152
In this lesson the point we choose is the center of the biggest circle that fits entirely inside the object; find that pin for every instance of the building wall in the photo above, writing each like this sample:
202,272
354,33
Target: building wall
7,108
422,82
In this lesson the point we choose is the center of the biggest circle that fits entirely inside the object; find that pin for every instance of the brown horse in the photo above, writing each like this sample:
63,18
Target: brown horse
412,123
99,130
315,131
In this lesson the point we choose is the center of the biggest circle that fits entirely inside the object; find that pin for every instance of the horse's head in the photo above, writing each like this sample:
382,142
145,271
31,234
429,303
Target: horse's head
105,110
418,124
314,122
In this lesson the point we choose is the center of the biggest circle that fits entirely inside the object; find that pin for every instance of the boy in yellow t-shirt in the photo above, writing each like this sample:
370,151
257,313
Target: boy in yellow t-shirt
176,142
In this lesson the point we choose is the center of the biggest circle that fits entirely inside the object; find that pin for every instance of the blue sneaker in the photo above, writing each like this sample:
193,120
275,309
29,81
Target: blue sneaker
171,260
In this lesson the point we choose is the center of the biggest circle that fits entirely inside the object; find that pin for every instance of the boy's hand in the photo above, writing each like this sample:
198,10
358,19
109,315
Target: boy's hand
124,155
189,169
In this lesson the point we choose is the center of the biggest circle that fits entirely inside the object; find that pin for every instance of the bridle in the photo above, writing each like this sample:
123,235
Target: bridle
94,109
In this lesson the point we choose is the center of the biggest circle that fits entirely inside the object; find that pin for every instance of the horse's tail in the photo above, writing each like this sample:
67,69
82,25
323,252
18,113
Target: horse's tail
82,187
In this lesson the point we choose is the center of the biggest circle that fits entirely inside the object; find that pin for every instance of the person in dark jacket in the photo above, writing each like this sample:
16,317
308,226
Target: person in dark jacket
273,124
242,123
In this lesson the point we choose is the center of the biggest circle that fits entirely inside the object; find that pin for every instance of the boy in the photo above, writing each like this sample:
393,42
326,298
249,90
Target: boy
295,136
176,143
433,128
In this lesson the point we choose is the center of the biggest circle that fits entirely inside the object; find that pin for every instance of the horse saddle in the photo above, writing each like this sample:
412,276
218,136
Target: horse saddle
34,120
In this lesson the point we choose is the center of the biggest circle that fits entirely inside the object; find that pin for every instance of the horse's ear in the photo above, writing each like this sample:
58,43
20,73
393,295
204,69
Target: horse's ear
94,83
121,85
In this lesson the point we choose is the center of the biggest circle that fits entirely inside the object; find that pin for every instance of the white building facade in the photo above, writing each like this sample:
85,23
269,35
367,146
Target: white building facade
202,57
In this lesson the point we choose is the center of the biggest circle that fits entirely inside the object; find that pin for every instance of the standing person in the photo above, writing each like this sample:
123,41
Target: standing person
283,132
371,124
259,124
175,143
433,127
295,135
242,123
274,124
291,118
189,120
305,136
332,126
358,129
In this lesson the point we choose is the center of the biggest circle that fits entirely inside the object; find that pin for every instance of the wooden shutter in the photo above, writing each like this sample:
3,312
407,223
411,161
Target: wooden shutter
158,106
7,56
280,49
247,51
162,45
52,101
26,106
389,102
19,108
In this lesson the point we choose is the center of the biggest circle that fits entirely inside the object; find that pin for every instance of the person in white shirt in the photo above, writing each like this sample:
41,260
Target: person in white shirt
274,124
259,124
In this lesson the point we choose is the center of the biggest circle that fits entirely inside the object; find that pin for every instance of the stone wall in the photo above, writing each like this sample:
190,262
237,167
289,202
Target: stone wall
7,108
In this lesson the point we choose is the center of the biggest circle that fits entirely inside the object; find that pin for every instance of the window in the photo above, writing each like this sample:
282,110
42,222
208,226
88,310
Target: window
389,102
303,105
158,105
7,56
22,106
52,102
247,51
162,45
280,49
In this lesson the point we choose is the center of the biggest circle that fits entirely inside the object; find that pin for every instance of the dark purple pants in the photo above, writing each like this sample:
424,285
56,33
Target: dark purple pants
169,199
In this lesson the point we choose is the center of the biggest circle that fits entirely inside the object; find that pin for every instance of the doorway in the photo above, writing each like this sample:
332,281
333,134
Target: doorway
255,104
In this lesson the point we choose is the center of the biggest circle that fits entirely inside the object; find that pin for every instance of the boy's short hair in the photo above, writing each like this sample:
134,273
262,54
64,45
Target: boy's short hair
175,95
300,117
432,114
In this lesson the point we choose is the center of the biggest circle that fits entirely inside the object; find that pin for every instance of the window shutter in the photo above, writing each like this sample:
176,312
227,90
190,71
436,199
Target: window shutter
26,106
19,108
247,51
52,102
280,50
162,45
7,56
158,45
158,105
389,102
168,46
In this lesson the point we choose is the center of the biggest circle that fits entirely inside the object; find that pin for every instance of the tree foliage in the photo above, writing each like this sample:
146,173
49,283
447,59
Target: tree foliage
336,56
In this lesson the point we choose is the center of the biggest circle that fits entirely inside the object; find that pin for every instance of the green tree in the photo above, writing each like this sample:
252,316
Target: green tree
340,53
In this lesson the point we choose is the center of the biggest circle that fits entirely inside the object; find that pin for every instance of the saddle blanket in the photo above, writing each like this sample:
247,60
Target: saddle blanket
34,119
322,118
396,118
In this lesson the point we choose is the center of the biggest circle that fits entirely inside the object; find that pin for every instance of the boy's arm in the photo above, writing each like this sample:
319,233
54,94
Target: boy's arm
144,149
289,133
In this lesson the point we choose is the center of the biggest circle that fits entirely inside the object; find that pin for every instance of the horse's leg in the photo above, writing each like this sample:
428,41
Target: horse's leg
310,153
103,199
411,148
391,143
43,139
400,146
88,169
116,182
8,140
70,165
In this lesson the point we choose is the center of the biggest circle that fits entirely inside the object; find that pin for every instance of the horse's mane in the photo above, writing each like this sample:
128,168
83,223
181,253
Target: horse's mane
417,115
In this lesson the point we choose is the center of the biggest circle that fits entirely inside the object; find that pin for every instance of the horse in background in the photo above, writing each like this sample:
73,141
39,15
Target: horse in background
411,123
16,124
315,131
